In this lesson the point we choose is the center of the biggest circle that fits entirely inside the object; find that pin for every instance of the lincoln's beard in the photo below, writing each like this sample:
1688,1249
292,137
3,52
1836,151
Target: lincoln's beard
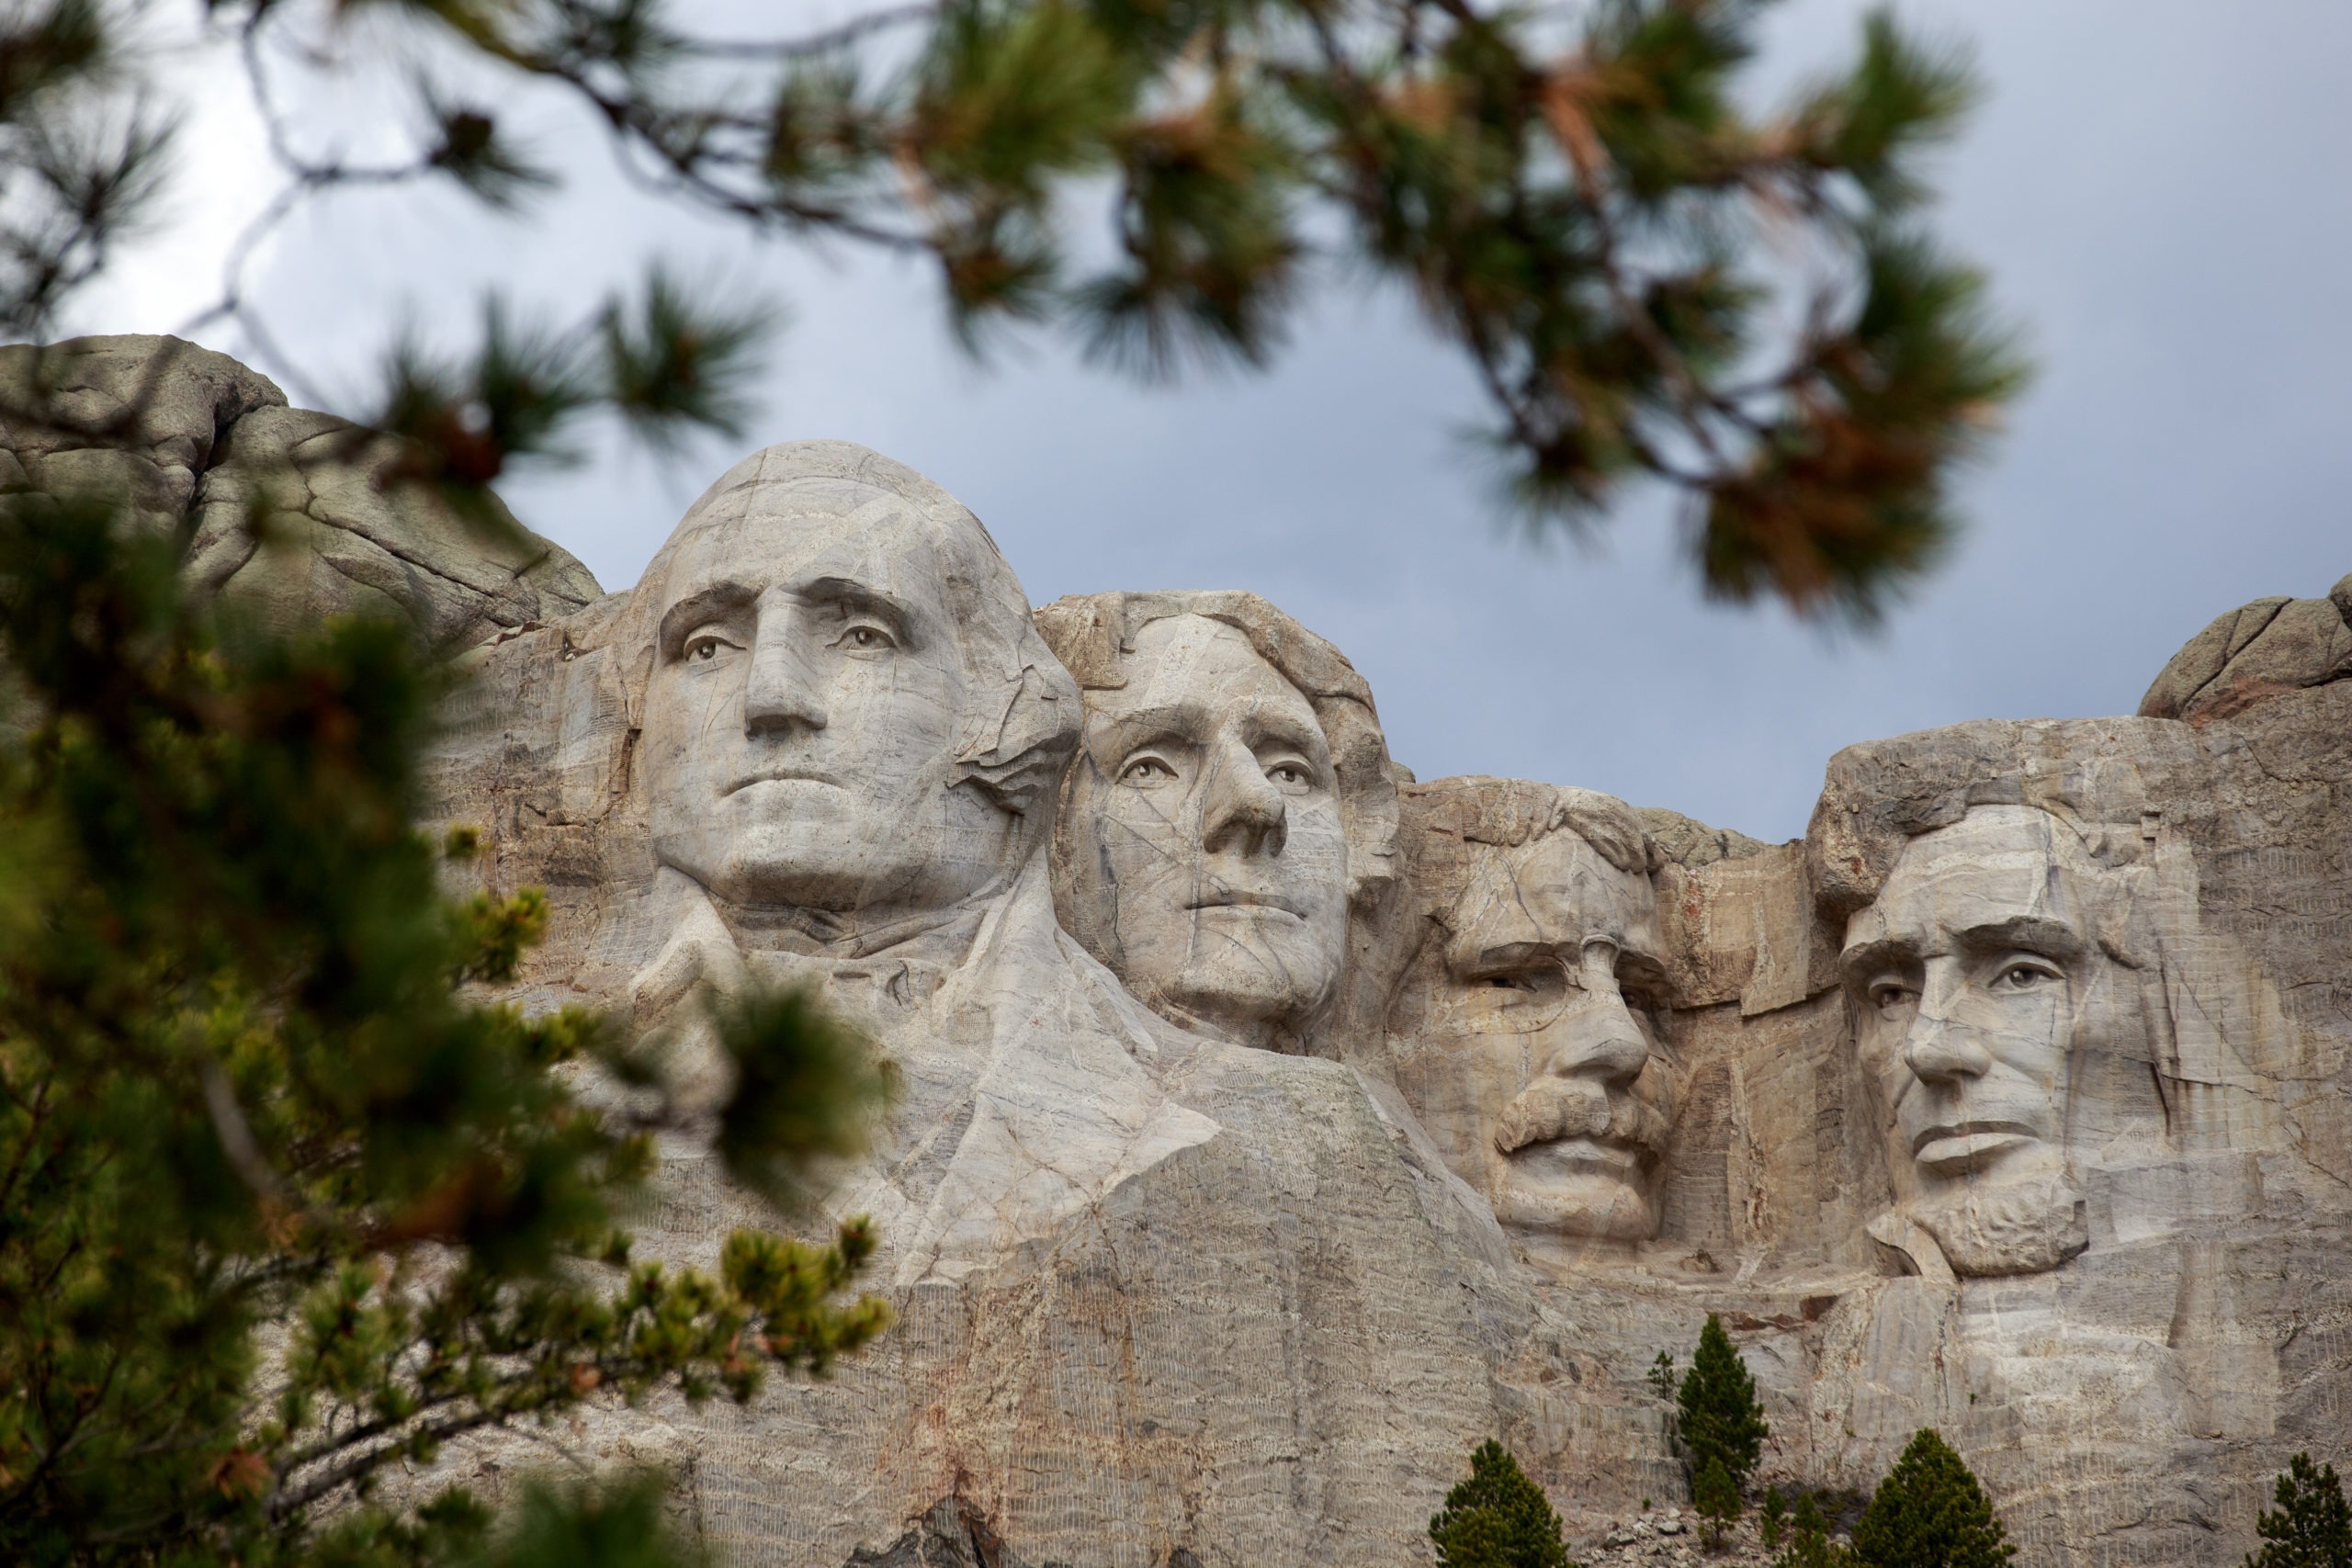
2011,1227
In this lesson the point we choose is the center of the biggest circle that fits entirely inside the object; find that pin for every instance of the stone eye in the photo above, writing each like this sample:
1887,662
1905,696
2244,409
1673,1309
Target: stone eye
703,647
867,639
1888,994
1511,982
1289,776
2021,976
1146,771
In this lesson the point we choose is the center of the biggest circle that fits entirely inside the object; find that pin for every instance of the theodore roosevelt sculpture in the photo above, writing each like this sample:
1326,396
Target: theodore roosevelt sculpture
1523,1037
1230,809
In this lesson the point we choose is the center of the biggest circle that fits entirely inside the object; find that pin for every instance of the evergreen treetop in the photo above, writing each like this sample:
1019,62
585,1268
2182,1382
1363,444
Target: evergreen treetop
1719,1418
2312,1527
1930,1511
1498,1519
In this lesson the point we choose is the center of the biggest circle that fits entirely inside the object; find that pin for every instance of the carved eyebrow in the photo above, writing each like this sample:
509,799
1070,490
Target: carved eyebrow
1168,722
856,598
1182,722
1308,738
695,609
2031,933
725,598
1858,962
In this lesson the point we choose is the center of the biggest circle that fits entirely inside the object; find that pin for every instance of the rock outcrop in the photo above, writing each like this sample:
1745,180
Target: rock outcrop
1573,1076
292,514
1276,1127
2254,652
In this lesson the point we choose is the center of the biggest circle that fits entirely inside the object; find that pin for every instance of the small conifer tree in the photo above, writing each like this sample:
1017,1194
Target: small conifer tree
1776,1513
2312,1527
1719,1418
1717,1500
1498,1519
1931,1513
1809,1543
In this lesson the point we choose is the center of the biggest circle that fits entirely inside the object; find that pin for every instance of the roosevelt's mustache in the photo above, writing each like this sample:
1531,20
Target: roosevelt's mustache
1551,1109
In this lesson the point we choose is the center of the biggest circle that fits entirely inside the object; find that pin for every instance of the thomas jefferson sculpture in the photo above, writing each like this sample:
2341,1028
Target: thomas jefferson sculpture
1231,812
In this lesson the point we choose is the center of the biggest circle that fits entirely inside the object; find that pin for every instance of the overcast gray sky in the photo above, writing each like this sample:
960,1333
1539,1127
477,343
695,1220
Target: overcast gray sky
2162,190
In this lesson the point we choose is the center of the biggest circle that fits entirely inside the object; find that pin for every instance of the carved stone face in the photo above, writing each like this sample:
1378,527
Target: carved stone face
1980,988
1537,1066
801,718
1208,866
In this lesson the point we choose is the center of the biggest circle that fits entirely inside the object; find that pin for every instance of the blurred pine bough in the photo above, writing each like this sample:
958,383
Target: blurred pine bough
1652,279
283,1205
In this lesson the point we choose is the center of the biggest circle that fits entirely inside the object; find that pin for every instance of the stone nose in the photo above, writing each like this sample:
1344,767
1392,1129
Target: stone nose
1240,809
1938,1048
782,692
1597,1036
1598,1041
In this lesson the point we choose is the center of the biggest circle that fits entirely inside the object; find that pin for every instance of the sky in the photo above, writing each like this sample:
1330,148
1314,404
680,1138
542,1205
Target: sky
2161,190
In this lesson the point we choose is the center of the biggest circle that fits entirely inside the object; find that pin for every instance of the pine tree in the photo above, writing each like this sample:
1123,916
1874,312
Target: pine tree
282,1205
1776,1514
1592,209
1931,1513
1719,1418
1809,1543
2312,1527
1498,1519
1716,1498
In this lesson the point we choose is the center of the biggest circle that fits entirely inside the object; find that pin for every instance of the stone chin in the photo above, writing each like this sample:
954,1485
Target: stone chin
1253,968
795,861
1991,1229
1568,1189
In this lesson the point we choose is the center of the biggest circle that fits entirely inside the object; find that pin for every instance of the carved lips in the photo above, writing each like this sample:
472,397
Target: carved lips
1950,1148
778,775
1255,903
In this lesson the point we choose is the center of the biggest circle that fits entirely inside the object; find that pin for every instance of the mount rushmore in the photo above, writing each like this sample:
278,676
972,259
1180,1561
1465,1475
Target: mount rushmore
1273,1126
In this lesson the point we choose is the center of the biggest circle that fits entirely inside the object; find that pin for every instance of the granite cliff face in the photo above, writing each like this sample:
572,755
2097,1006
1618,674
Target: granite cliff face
1275,1126
291,513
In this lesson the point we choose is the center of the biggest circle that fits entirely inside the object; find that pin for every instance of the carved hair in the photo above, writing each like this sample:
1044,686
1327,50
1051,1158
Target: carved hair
1020,714
1879,796
1508,813
1094,633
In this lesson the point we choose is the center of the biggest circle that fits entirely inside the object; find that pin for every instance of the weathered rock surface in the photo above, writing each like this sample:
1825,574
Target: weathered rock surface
1274,1335
954,1534
2256,652
290,514
1276,1127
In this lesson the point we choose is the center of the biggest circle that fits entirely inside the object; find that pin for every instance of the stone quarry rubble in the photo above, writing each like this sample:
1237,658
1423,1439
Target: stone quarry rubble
1275,1126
